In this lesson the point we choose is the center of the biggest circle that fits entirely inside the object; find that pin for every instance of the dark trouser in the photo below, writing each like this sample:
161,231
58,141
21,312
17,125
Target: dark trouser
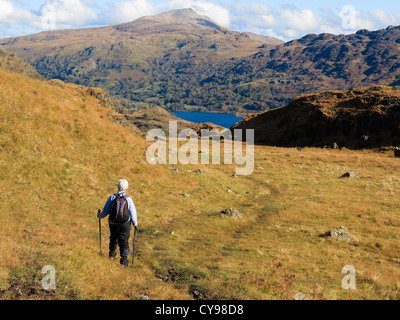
120,237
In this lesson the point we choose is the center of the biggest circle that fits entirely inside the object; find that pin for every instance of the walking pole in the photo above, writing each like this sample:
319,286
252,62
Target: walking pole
134,242
99,230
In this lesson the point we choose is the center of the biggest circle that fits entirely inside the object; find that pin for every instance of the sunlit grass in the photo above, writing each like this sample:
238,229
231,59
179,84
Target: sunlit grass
57,159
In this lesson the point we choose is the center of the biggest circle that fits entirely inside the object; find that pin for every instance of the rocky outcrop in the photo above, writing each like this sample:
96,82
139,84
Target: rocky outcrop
339,233
350,174
210,130
233,213
362,118
156,118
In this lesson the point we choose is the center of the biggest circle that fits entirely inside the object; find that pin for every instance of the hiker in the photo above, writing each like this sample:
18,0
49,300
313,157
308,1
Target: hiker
122,212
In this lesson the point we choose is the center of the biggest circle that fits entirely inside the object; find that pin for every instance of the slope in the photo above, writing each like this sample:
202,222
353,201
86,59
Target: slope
10,62
60,151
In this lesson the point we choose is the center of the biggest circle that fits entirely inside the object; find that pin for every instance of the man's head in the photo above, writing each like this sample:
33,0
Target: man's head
123,185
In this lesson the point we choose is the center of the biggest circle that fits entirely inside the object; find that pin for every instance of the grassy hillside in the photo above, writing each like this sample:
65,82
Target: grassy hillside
59,151
9,61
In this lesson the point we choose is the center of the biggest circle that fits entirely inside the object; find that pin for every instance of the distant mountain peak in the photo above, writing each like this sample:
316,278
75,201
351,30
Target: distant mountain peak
177,18
179,15
185,13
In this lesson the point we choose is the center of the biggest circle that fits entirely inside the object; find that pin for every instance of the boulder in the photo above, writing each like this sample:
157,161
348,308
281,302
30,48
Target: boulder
300,296
197,295
211,130
339,233
350,174
232,212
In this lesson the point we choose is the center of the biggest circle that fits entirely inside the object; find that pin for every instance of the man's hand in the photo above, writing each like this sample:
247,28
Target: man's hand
98,213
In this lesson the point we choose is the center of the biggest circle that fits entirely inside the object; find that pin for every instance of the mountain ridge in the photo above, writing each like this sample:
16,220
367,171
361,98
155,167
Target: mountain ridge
189,66
126,59
321,62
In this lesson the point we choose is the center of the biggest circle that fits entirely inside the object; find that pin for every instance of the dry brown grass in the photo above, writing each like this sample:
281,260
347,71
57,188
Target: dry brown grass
56,160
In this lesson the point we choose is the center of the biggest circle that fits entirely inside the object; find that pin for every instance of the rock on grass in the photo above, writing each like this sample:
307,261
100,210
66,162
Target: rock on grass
232,212
350,174
339,233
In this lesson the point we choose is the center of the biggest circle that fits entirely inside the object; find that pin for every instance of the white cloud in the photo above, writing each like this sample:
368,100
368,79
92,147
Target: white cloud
376,19
269,20
72,13
58,14
213,11
290,34
10,14
126,11
254,16
6,9
381,16
300,20
364,22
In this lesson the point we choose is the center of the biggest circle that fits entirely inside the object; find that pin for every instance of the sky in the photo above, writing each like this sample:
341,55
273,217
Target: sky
283,19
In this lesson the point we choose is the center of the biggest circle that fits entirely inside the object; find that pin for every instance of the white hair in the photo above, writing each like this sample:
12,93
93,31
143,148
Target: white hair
123,185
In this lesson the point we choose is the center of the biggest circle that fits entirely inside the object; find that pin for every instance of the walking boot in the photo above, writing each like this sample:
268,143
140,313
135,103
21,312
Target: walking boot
124,261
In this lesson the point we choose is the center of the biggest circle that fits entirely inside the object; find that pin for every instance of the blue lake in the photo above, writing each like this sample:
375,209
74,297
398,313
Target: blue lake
220,119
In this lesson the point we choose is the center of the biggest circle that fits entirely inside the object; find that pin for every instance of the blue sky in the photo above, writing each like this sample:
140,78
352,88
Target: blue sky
283,19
